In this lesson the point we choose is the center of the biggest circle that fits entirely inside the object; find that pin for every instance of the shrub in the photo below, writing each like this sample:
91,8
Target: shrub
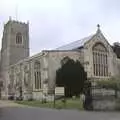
117,105
112,83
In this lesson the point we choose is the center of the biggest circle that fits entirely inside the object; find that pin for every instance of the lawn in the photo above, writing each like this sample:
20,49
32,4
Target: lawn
70,104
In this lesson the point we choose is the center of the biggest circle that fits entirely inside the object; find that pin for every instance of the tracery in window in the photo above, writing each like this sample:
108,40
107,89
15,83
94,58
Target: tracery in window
37,75
100,62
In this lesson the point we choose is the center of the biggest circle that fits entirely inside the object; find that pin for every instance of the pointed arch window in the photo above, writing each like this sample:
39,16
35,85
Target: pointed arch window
100,60
19,38
37,75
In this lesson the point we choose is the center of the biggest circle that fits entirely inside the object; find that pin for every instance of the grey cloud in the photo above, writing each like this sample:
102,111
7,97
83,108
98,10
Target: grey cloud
56,22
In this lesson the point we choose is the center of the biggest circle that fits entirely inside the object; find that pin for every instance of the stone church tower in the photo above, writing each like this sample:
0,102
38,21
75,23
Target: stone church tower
15,46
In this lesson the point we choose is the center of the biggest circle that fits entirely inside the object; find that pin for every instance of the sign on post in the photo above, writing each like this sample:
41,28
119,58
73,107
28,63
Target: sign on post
59,91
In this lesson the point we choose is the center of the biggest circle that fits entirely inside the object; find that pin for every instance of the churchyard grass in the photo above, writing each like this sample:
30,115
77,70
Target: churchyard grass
70,104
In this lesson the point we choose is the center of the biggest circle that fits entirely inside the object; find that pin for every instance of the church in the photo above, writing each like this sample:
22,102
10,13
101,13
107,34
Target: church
34,76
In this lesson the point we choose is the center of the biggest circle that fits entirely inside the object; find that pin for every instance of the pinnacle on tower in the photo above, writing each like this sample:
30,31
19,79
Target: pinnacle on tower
10,18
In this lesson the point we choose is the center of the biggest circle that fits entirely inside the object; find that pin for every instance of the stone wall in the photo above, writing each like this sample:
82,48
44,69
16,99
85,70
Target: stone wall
104,99
23,75
104,104
54,62
37,95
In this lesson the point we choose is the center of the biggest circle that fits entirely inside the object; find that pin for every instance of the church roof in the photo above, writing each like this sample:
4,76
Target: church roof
75,44
79,43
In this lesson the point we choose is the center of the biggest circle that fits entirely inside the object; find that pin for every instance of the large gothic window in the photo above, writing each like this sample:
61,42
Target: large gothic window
100,62
18,38
37,75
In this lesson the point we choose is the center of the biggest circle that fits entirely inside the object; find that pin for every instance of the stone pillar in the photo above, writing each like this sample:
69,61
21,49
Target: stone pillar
27,82
5,75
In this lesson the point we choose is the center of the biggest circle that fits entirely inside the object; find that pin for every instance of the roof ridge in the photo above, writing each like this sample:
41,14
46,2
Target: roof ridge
84,39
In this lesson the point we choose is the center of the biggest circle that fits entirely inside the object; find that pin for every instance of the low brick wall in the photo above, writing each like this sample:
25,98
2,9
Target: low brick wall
104,99
104,104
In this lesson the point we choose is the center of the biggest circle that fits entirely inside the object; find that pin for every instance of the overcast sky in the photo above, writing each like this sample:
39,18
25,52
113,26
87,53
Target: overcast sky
56,22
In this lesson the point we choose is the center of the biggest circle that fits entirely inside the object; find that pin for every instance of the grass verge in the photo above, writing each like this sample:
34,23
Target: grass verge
70,104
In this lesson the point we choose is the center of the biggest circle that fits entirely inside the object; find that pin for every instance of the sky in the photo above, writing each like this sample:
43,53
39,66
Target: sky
54,23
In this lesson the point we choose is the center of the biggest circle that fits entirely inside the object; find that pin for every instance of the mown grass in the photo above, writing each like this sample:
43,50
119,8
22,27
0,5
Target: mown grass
70,104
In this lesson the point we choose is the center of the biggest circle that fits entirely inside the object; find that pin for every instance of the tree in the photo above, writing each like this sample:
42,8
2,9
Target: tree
72,76
1,85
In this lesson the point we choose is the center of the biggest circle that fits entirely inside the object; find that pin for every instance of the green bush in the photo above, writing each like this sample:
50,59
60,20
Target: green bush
112,83
117,105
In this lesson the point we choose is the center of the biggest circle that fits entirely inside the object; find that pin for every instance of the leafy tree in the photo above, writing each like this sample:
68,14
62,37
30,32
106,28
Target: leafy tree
1,85
72,76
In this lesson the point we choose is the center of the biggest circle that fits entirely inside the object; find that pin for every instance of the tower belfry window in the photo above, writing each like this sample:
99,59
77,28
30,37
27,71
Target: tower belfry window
18,38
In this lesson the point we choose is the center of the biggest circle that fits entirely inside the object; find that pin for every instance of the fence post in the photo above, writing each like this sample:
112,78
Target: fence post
54,97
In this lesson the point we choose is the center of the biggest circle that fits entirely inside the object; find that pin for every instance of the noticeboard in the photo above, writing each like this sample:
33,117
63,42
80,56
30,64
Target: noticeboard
59,91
